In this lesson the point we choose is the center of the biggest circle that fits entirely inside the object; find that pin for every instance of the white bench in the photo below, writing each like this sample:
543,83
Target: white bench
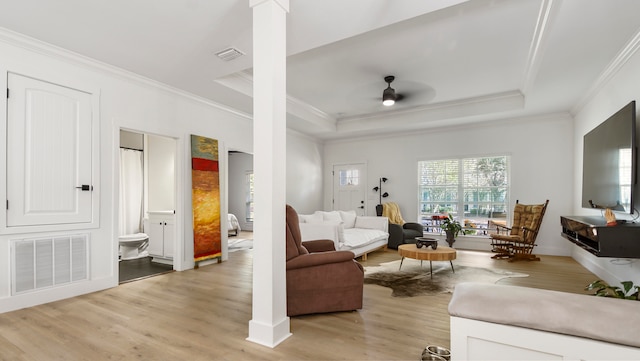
499,322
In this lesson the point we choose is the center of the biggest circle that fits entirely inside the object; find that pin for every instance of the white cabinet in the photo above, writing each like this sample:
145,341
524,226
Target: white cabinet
161,235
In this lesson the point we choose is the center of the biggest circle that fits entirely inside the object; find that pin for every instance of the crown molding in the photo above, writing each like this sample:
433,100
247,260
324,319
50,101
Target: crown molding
37,46
502,121
619,61
482,105
311,114
242,82
549,9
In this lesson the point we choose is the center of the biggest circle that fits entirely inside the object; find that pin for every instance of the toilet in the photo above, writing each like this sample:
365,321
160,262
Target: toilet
133,246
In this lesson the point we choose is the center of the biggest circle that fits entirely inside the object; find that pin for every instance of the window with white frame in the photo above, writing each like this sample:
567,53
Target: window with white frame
474,190
624,175
249,198
349,177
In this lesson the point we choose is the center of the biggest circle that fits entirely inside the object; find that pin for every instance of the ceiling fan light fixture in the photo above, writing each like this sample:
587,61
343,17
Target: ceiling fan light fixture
389,95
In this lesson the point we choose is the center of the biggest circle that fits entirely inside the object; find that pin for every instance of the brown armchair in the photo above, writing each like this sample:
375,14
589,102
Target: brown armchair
319,278
519,242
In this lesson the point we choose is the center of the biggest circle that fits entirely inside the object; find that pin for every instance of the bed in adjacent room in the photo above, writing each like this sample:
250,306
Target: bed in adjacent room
233,226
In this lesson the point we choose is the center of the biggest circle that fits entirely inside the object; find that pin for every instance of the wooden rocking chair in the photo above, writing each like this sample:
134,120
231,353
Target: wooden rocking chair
519,242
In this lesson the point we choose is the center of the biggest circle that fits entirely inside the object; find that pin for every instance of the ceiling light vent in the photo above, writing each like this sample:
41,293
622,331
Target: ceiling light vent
229,54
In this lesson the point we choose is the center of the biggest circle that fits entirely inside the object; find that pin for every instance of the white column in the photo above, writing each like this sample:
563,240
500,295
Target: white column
269,324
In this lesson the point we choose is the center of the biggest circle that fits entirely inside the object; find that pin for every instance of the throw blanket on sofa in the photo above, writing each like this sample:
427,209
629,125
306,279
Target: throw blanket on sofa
392,211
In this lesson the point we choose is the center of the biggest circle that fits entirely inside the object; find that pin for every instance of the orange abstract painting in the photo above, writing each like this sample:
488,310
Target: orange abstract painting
205,180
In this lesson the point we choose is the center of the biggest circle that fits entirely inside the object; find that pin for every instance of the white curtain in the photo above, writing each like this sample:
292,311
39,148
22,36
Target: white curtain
131,191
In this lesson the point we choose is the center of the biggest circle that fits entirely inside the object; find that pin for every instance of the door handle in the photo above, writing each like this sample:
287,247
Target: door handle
85,187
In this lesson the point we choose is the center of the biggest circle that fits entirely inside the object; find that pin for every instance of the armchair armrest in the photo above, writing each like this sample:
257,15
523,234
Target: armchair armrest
319,245
371,222
415,226
318,259
396,236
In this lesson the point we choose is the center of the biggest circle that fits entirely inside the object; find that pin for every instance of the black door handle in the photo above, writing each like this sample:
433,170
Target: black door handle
85,187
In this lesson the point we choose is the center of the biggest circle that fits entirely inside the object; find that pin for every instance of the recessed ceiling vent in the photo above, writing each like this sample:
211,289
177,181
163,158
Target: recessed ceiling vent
229,54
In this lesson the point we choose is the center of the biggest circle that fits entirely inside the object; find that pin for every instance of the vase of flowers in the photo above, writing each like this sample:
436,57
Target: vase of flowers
451,228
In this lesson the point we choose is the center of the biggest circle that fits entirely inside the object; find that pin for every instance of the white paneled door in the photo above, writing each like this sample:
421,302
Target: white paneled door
49,154
348,187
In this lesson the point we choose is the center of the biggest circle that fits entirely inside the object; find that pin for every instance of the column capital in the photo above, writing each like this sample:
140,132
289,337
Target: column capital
284,4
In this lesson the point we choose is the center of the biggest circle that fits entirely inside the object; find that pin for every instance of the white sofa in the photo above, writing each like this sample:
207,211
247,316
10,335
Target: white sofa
500,322
348,231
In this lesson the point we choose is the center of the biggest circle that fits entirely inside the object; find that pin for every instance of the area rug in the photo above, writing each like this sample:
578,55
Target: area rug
414,279
240,244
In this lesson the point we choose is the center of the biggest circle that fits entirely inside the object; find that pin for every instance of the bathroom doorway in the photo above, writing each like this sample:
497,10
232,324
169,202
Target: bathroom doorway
146,205
240,201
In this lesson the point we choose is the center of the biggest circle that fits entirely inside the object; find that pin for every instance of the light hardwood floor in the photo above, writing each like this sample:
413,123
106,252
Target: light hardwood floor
203,314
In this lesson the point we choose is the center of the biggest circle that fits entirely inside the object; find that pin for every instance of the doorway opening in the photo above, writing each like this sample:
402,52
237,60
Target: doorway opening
147,202
240,201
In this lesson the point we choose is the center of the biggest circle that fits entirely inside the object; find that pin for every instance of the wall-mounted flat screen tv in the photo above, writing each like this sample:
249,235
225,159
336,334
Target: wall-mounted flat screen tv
609,163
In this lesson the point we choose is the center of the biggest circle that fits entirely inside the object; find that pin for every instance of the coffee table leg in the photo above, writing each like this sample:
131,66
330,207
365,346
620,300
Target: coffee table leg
431,269
402,260
454,271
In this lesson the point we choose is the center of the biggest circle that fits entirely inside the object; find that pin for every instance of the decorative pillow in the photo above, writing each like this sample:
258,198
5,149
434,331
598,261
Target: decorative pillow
349,218
310,218
330,216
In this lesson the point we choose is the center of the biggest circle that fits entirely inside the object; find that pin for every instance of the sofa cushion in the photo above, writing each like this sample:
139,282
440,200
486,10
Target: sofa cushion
370,222
339,225
598,318
310,218
349,218
358,237
330,216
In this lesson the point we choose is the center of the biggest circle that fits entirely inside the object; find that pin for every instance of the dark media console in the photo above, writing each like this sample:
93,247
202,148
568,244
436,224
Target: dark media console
592,234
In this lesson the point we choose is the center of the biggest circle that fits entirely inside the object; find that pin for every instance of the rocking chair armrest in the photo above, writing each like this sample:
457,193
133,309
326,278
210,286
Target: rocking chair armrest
500,228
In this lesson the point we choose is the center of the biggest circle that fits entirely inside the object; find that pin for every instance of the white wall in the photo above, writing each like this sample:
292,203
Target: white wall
130,102
160,158
622,88
304,173
541,151
304,176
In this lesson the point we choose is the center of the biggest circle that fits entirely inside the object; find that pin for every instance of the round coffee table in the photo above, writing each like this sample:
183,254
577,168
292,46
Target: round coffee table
427,254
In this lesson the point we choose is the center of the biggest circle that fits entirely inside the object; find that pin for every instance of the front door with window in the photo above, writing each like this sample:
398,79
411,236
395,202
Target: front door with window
348,187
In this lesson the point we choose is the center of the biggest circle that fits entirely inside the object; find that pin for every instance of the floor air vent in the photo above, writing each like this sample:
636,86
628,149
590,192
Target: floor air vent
48,262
